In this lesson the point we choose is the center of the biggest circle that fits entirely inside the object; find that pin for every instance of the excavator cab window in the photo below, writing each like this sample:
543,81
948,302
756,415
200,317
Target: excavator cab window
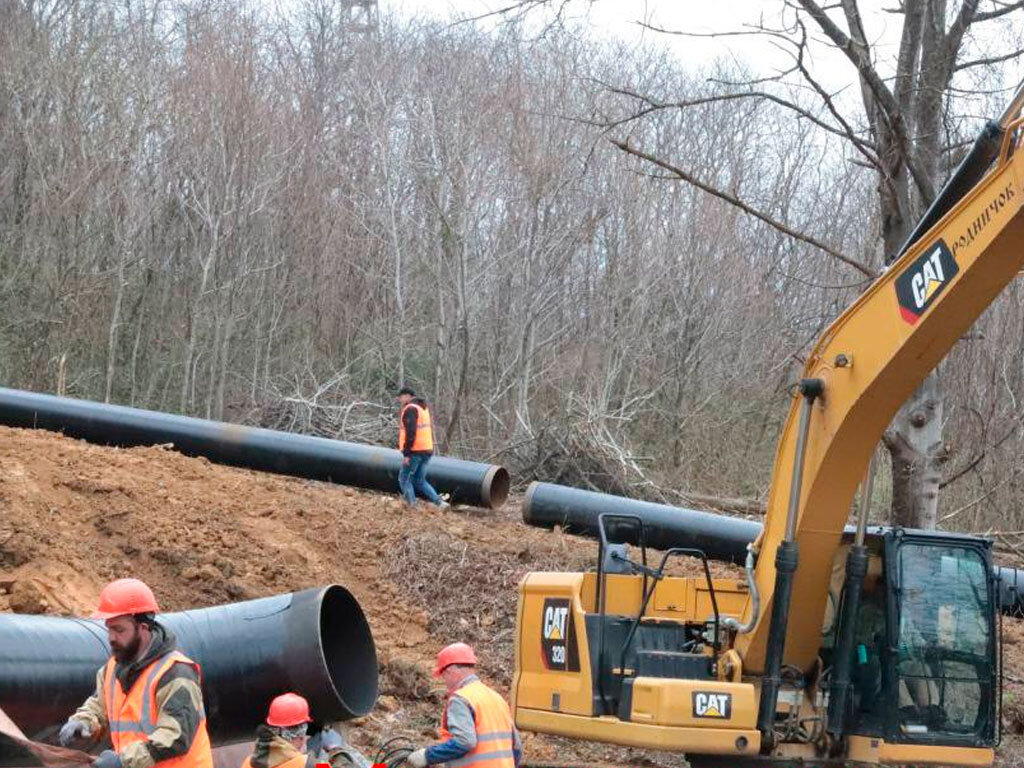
942,671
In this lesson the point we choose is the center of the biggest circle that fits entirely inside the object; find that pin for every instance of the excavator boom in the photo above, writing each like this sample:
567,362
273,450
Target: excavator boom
876,647
871,359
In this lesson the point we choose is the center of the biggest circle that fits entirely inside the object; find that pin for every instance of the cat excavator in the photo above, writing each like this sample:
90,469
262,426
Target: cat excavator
845,644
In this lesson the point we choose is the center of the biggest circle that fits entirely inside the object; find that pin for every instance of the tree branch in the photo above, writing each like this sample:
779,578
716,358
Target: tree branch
990,60
733,200
866,147
978,458
881,93
954,37
862,146
995,14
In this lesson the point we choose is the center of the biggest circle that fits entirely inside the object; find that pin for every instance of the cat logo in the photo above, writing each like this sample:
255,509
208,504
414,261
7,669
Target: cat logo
558,640
924,280
716,705
554,620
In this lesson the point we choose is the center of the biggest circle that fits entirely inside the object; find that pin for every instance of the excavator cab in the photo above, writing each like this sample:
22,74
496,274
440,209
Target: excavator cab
941,669
924,668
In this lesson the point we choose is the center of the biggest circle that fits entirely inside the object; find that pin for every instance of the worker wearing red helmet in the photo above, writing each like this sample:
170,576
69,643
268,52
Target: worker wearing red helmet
148,696
476,724
281,740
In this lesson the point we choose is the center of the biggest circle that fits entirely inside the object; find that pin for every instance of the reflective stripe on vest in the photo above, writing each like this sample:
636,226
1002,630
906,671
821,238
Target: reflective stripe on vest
298,761
492,719
424,439
132,716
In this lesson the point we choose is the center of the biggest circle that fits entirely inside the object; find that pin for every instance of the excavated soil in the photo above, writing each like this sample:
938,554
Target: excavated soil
74,516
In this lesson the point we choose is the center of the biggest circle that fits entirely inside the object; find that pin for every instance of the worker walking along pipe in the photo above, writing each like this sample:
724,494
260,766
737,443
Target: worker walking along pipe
316,458
316,642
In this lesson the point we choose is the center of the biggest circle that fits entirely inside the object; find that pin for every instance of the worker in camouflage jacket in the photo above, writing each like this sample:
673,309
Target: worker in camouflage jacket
148,697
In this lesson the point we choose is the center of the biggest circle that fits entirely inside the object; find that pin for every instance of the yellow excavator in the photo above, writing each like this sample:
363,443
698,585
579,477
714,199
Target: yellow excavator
845,645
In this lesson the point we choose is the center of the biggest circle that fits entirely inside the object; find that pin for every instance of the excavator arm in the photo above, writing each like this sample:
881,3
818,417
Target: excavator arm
870,361
743,672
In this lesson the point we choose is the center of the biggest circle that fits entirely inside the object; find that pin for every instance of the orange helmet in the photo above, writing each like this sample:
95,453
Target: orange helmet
456,653
287,710
125,597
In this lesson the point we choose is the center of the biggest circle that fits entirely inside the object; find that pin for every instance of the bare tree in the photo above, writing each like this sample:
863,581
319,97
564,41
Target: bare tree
908,132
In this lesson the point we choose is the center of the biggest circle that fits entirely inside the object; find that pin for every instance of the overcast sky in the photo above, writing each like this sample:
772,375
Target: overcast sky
618,19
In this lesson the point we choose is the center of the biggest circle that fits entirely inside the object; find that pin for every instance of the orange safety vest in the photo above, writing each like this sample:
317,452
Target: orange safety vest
299,761
132,717
494,729
424,440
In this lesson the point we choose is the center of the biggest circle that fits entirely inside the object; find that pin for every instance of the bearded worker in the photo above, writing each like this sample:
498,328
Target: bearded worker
148,697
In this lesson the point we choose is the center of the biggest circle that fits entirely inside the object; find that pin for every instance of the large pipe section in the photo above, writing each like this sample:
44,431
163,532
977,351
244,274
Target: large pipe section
722,538
316,458
316,642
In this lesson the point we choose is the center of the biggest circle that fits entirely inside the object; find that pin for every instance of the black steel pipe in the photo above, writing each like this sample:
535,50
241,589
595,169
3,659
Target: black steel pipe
1011,590
720,538
316,642
316,458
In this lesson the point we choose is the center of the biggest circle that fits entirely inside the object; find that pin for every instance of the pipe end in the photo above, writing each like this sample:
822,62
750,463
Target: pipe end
527,507
348,654
495,488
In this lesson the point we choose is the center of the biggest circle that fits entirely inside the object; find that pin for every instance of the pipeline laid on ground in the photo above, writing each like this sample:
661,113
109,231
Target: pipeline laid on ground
315,642
720,537
316,458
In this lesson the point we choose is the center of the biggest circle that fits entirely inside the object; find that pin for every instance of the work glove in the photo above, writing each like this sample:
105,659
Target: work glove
108,758
73,729
331,740
417,759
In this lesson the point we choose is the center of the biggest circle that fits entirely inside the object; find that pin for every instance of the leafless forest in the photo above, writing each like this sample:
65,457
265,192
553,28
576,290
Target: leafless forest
244,213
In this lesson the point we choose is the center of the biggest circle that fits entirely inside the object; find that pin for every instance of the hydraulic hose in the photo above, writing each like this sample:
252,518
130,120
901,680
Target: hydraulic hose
734,624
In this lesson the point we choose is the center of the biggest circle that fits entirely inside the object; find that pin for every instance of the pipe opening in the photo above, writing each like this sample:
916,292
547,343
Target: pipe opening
348,651
496,487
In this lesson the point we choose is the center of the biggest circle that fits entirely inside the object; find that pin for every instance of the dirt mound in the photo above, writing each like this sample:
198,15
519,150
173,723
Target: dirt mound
73,516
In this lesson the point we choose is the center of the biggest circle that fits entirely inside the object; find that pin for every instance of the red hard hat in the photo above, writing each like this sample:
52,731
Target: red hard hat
456,653
125,597
287,710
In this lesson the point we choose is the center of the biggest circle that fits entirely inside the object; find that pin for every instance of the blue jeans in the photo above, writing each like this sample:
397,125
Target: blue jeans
412,477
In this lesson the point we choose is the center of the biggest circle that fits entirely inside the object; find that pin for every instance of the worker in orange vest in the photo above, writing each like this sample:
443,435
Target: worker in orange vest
148,695
477,724
416,442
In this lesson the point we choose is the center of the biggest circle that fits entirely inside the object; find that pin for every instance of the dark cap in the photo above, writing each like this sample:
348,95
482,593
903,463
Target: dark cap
406,391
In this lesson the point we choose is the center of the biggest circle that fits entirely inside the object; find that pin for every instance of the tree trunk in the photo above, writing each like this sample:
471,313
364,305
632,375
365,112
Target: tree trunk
115,324
914,440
